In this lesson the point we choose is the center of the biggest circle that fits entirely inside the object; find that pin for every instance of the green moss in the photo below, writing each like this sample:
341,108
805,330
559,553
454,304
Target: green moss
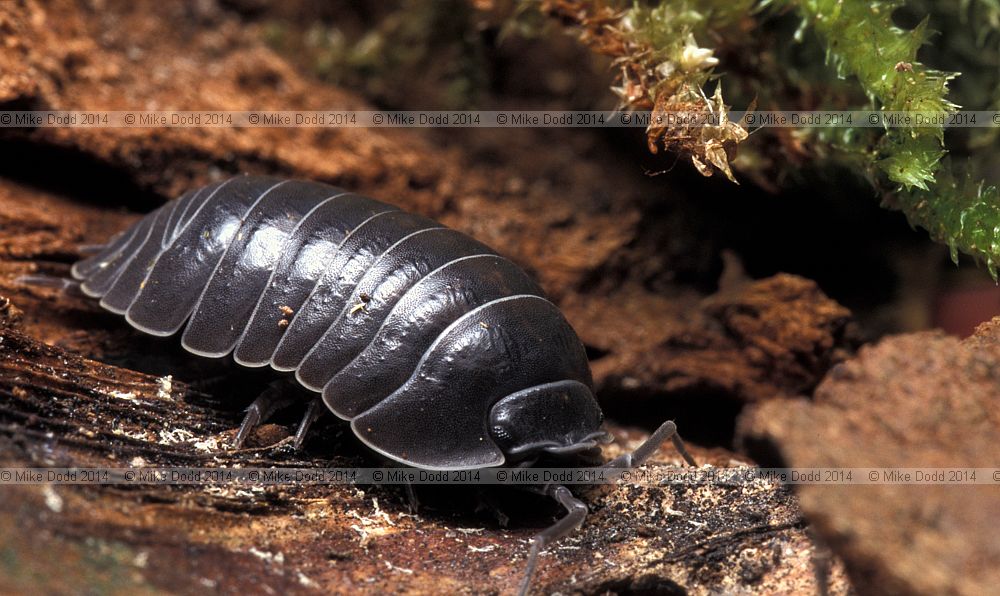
957,211
666,27
910,159
862,41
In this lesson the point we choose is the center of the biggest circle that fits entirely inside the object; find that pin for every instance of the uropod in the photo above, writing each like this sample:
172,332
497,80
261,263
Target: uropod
442,354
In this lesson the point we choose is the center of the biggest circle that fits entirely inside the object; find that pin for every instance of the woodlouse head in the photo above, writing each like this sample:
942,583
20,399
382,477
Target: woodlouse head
555,420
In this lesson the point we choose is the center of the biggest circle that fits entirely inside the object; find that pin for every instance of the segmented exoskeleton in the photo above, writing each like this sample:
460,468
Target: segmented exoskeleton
441,353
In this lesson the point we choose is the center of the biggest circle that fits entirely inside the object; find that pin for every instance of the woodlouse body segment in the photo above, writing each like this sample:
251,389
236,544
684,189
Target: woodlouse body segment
441,353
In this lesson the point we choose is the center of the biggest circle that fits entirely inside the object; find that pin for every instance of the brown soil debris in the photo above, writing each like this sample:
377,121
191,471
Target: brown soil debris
759,340
923,400
62,410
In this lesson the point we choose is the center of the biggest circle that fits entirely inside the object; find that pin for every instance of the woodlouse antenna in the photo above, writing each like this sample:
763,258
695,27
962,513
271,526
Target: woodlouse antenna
667,430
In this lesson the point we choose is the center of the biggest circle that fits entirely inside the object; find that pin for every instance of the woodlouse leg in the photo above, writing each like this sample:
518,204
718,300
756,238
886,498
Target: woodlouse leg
274,398
413,504
576,512
488,502
821,560
313,411
667,430
207,384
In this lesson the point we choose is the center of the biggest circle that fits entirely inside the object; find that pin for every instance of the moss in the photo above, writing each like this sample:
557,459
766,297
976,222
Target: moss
664,68
668,57
958,211
863,42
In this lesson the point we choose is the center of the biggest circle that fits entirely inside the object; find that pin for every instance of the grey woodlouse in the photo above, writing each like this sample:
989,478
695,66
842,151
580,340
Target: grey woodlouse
442,354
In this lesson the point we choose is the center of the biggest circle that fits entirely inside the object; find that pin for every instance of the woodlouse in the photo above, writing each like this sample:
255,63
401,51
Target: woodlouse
442,354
